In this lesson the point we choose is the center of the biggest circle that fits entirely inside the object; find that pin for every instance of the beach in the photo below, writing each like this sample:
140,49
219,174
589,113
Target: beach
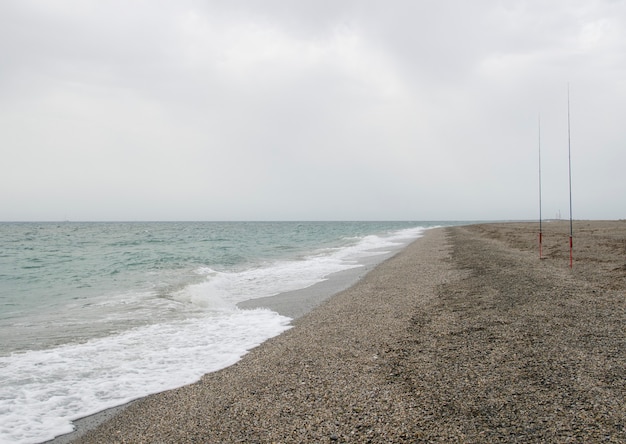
463,336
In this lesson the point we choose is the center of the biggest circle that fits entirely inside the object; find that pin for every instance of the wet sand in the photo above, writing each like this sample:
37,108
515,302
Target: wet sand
464,336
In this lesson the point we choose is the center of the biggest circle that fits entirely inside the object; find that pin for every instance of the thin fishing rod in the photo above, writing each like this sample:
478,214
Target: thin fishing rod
569,153
540,217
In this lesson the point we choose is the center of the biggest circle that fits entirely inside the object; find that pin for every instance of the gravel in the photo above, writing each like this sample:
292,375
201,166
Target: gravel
464,336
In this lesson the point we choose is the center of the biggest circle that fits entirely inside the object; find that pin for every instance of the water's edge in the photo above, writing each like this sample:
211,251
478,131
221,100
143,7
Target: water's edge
297,303
293,304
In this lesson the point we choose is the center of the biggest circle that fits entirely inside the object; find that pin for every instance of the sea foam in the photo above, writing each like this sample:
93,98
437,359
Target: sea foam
43,391
153,339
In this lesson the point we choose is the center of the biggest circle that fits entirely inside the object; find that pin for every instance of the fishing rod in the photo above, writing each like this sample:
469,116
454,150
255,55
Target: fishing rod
540,218
569,153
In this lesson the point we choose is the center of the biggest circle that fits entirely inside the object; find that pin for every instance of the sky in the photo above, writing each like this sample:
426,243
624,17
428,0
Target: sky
312,109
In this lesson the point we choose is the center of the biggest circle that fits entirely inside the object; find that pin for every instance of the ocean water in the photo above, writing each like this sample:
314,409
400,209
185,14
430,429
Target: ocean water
94,315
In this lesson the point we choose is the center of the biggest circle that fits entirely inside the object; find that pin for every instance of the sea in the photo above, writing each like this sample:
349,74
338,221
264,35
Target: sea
94,315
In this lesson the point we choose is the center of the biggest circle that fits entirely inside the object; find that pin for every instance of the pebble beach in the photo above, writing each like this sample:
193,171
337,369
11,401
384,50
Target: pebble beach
466,335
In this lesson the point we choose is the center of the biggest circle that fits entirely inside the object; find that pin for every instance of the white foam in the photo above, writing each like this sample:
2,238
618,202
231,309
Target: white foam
43,391
222,290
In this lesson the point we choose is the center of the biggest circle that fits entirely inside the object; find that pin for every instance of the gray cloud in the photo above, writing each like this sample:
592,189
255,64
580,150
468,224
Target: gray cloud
309,110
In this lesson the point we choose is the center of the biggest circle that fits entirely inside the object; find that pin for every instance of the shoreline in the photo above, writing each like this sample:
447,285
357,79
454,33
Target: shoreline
293,304
464,335
301,324
297,303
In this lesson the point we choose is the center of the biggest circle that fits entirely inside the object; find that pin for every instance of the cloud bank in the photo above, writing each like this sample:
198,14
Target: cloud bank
310,110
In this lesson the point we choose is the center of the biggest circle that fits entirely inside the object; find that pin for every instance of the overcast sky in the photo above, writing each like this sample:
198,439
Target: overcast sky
311,110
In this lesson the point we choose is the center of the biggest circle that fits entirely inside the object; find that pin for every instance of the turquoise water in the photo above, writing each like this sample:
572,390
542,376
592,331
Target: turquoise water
93,315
